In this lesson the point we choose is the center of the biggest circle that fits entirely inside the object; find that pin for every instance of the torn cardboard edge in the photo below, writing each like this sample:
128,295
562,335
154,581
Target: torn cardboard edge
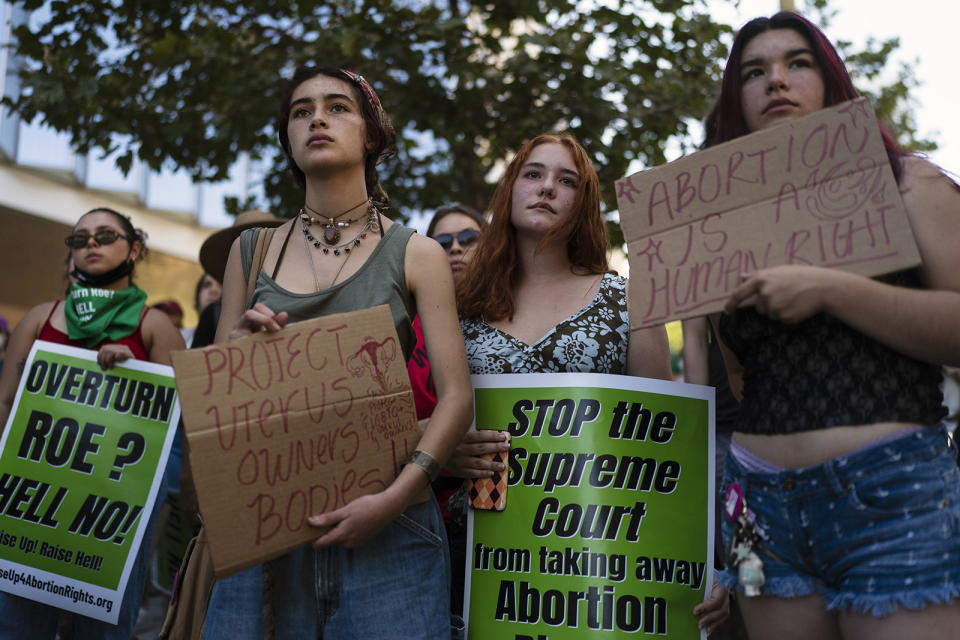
851,185
666,173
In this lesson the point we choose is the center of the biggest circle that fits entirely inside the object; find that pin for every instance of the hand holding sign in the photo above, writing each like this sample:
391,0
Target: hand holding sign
110,355
471,457
258,318
817,191
292,423
358,521
788,293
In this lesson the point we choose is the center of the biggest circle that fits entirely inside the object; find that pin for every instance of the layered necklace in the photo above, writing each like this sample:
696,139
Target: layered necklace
330,235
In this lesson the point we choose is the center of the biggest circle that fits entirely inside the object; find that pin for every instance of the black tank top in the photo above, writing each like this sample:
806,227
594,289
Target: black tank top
822,373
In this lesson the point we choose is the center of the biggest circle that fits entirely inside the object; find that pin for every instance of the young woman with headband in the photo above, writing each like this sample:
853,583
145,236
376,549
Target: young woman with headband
381,571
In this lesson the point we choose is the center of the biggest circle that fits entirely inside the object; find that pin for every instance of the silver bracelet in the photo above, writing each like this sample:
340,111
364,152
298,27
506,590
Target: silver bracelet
426,462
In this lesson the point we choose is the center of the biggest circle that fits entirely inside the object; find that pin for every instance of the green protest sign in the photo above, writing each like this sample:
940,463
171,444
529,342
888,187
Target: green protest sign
81,461
607,530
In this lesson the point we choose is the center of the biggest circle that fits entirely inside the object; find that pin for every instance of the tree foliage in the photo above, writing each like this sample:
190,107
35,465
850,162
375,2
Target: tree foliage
197,83
870,69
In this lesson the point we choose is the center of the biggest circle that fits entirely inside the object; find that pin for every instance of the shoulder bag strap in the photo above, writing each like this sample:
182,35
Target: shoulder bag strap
259,254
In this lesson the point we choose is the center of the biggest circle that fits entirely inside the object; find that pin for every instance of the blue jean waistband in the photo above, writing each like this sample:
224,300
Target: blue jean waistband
912,448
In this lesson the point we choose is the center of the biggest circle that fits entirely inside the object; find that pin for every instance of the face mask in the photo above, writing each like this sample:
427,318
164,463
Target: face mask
104,279
96,315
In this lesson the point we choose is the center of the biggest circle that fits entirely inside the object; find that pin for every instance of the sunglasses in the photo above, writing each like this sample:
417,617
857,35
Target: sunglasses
102,237
464,238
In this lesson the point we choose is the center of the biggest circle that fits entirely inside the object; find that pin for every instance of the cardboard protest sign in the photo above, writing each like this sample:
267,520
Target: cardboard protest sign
285,425
608,524
83,456
815,191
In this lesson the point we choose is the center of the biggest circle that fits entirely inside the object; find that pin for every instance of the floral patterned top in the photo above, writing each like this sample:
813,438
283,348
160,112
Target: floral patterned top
593,340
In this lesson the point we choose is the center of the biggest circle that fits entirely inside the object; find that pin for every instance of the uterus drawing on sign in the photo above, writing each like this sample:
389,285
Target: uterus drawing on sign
373,358
844,190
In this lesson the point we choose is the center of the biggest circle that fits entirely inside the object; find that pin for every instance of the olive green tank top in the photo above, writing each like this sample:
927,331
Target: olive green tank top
381,280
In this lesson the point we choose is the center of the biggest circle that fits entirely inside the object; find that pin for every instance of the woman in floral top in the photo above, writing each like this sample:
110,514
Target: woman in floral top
538,296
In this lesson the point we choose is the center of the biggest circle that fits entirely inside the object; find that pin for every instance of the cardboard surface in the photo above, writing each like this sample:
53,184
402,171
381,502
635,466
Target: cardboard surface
815,191
286,425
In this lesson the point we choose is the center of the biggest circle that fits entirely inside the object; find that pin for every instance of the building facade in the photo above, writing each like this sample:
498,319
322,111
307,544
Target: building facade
45,186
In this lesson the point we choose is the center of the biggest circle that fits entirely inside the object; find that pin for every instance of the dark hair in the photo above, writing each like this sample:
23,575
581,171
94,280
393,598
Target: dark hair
197,290
486,288
730,122
380,134
464,209
133,233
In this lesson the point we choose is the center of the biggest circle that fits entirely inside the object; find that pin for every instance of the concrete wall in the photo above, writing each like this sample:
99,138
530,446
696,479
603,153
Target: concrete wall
37,211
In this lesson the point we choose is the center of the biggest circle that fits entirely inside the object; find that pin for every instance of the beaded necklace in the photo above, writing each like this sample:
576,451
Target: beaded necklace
331,232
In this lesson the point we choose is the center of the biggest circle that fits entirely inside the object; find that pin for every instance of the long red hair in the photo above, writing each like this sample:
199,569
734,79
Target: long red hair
487,287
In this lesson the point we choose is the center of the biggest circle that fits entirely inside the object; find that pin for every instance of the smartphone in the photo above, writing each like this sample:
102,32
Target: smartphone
490,493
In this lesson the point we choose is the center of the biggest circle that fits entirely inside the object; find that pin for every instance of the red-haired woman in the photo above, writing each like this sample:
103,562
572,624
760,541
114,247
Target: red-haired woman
538,295
838,449
382,570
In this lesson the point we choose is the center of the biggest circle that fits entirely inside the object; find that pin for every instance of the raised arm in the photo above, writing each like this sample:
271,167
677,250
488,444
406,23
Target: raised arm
920,323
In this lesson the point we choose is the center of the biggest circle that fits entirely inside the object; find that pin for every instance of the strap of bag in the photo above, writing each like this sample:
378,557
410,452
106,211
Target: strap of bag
193,586
268,611
259,255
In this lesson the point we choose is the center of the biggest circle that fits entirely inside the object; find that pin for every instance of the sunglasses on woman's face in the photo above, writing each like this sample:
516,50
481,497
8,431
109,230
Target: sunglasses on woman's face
102,237
464,238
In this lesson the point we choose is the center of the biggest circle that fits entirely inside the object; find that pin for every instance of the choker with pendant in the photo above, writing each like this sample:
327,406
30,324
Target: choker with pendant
329,240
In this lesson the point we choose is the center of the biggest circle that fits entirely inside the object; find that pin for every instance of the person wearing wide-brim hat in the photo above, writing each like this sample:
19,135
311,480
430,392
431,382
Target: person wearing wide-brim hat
216,248
213,258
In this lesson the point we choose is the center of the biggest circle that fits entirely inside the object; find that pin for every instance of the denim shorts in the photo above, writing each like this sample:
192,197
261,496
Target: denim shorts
872,531
394,586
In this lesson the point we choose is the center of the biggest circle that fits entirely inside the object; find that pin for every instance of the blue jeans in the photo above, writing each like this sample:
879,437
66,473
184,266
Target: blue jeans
23,619
394,586
873,531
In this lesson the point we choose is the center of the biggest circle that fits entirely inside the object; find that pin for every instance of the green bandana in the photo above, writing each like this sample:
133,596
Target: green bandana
95,315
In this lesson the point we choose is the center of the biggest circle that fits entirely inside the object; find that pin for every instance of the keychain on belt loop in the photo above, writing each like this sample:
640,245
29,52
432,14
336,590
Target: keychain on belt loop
745,540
